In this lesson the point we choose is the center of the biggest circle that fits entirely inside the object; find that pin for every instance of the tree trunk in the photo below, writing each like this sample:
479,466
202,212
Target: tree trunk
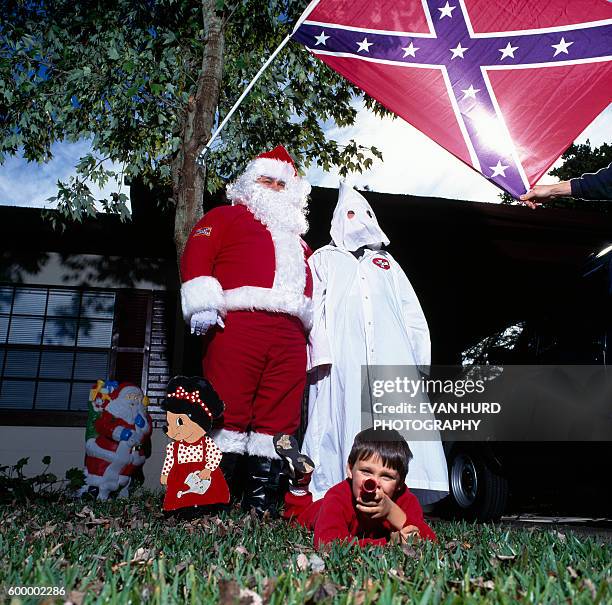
188,177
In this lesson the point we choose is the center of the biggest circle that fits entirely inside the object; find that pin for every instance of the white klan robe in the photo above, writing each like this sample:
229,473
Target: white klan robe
365,313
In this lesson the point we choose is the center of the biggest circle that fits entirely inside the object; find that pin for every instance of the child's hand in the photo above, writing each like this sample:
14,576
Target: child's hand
378,508
204,474
404,535
408,532
164,479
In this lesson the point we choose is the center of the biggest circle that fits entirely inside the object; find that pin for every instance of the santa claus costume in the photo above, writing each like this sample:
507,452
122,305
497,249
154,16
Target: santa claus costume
367,314
123,429
191,405
247,264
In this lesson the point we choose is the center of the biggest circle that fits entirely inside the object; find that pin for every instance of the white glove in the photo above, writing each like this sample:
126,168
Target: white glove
202,321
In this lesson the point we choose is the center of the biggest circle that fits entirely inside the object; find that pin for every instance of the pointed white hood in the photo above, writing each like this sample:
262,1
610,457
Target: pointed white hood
361,230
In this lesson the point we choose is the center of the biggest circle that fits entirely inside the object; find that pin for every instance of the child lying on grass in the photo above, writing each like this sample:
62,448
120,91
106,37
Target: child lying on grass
387,515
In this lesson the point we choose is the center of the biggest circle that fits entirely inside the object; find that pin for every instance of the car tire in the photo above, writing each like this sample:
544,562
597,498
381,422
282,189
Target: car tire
477,492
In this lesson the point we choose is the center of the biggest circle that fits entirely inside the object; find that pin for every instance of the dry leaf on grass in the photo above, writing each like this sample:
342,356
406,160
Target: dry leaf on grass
241,550
302,562
410,552
75,597
231,594
589,584
47,530
572,572
84,512
559,535
320,590
142,556
479,582
317,564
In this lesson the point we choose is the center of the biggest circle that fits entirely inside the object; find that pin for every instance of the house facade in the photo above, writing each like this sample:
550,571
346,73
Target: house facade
100,300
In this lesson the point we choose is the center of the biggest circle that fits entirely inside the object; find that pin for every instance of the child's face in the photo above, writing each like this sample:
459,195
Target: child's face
373,468
182,428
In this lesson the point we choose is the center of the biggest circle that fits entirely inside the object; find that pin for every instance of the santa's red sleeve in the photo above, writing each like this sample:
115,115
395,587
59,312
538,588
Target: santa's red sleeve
409,503
201,291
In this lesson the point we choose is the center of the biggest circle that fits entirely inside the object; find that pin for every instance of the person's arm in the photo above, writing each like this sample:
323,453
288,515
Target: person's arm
593,186
590,186
414,515
200,290
541,192
319,349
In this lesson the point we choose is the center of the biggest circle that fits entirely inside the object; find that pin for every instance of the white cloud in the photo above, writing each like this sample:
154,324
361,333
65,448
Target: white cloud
414,164
30,184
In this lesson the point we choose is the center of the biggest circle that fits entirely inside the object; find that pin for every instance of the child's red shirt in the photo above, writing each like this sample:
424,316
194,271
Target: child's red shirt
336,518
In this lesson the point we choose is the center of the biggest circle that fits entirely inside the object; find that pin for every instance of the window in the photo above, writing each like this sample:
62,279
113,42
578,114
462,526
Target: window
54,344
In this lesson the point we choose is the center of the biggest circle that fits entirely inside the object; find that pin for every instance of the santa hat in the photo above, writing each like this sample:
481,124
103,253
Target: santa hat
277,164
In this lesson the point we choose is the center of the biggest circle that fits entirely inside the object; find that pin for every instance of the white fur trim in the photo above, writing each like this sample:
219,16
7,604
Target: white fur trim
276,169
251,298
201,294
261,445
230,441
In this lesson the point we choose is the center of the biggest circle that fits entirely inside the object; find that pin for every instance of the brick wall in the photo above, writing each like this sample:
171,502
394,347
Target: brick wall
159,355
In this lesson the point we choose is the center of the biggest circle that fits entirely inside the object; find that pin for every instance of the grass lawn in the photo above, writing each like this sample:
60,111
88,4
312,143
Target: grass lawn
126,552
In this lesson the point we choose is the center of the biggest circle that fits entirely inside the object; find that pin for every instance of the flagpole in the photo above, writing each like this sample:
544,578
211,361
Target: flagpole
202,155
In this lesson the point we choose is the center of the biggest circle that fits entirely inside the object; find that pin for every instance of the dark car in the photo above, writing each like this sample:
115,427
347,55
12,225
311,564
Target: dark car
488,479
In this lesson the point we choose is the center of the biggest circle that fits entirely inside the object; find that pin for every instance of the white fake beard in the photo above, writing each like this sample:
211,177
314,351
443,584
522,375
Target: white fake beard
125,410
284,211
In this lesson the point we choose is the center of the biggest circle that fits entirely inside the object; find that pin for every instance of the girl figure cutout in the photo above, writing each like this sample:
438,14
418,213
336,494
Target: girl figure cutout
191,470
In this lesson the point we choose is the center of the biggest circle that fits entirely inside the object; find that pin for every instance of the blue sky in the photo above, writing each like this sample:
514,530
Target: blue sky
412,164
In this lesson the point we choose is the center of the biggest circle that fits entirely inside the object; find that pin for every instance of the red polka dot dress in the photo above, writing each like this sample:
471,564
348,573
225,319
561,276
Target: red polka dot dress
183,462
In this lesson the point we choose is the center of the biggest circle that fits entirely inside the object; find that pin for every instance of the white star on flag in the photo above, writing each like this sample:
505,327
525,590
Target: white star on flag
321,38
458,52
470,92
561,47
498,169
508,51
446,11
364,45
410,50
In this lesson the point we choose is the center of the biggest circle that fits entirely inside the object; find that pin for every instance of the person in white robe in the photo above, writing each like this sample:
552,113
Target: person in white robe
366,313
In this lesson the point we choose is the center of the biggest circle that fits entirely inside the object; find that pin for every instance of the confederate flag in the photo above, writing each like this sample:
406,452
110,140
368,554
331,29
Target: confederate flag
504,85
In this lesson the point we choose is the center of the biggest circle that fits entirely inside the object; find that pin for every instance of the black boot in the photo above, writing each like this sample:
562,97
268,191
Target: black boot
266,485
233,469
300,466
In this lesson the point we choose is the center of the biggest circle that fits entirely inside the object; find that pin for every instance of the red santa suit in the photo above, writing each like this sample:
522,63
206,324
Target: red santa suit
245,263
116,452
335,517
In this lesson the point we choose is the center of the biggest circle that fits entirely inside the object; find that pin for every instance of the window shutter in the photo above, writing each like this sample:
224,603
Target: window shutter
131,337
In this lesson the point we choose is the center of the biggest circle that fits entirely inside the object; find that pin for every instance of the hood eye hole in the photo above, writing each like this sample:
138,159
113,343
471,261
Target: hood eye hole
369,213
350,214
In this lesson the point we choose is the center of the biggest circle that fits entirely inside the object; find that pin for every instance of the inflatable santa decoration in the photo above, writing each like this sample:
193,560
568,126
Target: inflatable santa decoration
123,429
